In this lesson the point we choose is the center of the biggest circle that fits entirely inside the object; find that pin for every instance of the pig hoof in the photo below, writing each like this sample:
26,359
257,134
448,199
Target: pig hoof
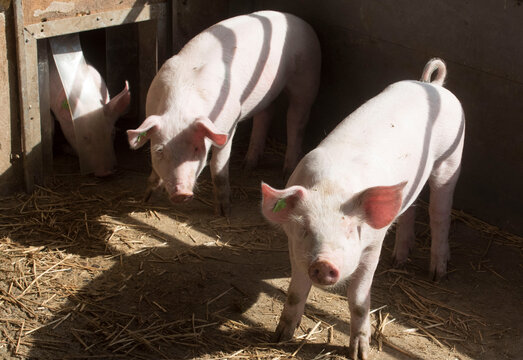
223,209
438,272
398,263
359,348
437,276
283,332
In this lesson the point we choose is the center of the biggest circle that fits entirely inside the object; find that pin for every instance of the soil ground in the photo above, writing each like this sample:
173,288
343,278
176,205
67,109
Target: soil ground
90,271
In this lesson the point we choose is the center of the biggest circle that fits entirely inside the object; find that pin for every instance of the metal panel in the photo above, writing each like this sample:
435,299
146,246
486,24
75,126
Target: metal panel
148,44
46,120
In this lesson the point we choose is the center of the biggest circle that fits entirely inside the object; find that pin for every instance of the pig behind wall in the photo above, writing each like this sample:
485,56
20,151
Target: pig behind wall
344,195
90,135
229,72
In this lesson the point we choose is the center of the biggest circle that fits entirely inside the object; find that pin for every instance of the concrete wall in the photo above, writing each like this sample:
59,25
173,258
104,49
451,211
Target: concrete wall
367,45
10,167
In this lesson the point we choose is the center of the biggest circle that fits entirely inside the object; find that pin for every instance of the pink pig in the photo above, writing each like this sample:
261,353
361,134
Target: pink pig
229,72
91,136
344,195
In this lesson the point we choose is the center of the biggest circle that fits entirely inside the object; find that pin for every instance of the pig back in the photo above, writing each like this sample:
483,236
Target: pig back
247,60
396,136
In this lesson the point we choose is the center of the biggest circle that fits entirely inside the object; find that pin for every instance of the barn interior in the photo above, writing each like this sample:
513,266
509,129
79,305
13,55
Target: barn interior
90,270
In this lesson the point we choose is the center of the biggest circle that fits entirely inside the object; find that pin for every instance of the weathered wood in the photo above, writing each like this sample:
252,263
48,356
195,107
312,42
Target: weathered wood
29,104
101,20
36,11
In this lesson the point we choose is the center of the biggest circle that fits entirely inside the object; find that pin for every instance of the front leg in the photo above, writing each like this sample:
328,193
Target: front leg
220,177
153,183
358,295
295,303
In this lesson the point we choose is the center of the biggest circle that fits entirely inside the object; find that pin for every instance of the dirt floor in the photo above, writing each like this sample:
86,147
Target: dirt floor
89,271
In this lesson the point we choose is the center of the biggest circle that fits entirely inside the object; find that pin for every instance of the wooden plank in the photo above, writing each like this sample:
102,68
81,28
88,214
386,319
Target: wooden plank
29,105
36,11
46,120
96,21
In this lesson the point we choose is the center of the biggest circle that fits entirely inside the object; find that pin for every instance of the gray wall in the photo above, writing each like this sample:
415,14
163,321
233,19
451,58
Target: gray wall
367,45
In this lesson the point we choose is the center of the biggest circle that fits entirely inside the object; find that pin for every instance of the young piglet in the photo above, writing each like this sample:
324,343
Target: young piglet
228,73
344,195
91,134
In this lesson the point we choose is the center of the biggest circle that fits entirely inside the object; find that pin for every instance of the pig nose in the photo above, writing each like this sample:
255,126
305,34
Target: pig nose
181,197
324,273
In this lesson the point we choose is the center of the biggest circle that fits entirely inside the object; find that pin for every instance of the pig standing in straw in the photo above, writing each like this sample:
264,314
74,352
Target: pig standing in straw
228,73
91,135
344,195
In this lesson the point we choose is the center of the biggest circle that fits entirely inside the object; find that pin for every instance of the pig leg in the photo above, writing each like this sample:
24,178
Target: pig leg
442,183
153,182
294,304
297,117
358,295
405,236
220,177
260,127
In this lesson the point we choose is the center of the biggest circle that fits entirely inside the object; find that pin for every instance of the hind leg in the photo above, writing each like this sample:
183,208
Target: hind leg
405,236
301,89
297,118
260,127
442,184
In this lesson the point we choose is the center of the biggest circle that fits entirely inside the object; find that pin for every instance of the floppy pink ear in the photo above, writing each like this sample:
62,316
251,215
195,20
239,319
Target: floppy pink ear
138,137
118,105
381,204
207,128
278,205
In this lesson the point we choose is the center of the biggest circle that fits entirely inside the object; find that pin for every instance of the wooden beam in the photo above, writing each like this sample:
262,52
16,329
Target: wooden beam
26,47
97,21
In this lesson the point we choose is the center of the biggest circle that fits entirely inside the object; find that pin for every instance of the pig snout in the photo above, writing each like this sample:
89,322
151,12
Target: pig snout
323,272
180,194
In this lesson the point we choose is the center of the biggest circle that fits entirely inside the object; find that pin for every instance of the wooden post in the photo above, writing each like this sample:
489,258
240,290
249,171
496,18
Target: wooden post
29,105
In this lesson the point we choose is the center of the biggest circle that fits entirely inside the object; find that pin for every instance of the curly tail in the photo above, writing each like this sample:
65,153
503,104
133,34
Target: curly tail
434,64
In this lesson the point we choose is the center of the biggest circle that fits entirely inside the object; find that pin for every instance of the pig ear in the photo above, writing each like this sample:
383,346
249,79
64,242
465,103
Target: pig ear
206,128
118,104
138,137
381,204
278,205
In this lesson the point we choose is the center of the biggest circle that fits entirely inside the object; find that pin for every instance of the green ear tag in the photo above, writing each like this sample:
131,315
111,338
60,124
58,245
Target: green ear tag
65,105
280,205
140,136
